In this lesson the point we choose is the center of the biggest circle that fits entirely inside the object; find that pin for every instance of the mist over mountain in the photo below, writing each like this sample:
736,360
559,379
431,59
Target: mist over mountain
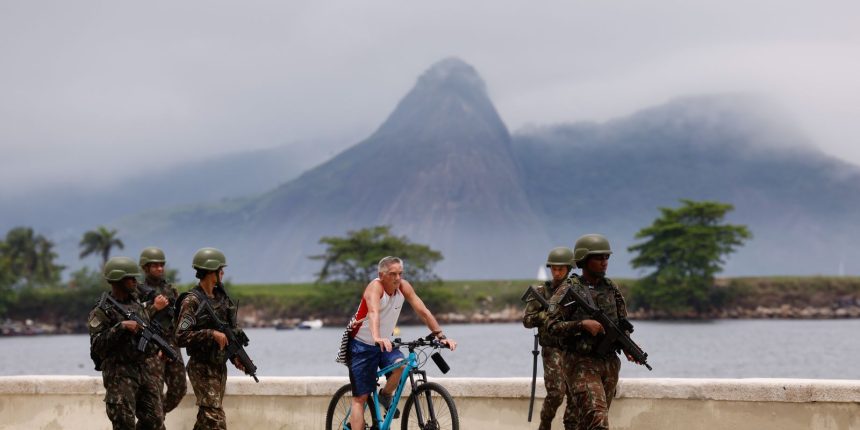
444,170
65,211
799,203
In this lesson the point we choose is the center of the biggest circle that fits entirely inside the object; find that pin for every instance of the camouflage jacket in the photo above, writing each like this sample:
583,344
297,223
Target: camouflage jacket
165,317
565,322
110,344
536,316
195,325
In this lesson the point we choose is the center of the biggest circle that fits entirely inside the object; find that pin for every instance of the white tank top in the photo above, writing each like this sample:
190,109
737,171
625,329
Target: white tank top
389,312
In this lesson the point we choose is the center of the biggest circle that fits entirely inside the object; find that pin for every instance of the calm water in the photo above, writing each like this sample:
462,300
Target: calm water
826,349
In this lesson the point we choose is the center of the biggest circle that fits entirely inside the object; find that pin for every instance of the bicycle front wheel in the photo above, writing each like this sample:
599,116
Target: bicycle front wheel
430,407
337,415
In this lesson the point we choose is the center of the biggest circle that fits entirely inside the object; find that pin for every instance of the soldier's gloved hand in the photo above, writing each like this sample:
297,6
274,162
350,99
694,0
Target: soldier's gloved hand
130,326
220,339
541,316
160,302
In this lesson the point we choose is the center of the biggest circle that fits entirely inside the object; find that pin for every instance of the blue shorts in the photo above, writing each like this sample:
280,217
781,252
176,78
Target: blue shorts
364,360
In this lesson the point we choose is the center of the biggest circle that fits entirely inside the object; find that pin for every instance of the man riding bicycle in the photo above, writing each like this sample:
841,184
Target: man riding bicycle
369,346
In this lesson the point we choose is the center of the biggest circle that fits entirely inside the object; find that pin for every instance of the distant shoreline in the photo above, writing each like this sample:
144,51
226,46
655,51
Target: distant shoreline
11,328
63,311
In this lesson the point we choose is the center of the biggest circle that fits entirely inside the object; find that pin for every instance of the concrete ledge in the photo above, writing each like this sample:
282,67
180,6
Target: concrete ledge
75,402
742,390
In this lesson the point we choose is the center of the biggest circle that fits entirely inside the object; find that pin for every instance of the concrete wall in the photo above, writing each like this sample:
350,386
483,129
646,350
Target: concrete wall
75,402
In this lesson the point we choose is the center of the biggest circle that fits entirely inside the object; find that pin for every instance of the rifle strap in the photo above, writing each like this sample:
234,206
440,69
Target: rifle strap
205,303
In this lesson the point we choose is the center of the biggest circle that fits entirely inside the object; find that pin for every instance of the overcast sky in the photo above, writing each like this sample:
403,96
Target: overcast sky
91,90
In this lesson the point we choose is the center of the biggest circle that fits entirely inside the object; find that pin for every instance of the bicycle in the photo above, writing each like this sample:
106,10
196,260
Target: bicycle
428,407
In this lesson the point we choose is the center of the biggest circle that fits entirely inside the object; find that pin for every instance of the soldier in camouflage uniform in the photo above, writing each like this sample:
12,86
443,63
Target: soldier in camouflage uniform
207,362
133,388
560,262
156,287
591,378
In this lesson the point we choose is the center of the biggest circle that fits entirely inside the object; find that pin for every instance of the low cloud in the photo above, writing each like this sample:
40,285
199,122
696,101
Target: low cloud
94,92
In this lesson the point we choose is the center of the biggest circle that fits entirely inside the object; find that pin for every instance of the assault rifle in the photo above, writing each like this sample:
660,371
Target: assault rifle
533,294
149,332
235,348
613,336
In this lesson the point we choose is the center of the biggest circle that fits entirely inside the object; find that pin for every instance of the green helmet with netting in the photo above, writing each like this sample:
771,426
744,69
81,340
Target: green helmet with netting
119,268
560,256
209,259
151,255
590,244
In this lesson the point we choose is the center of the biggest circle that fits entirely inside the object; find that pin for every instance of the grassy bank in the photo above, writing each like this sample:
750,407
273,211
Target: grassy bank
471,297
336,302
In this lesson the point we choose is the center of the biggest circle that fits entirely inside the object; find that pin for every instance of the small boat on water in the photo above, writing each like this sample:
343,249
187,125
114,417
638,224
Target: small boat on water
310,324
284,326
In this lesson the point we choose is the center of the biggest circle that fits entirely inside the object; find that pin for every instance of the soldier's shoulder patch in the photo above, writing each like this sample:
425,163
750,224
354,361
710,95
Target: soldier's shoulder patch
96,319
187,322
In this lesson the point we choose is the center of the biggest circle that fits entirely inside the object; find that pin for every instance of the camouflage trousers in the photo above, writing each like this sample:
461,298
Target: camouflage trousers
174,377
592,381
208,381
556,387
133,391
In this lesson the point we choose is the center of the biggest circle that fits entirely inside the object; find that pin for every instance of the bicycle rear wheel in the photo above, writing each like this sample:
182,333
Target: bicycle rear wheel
337,415
430,407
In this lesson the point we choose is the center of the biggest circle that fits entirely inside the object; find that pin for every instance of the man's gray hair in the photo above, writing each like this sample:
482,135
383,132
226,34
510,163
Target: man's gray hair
386,262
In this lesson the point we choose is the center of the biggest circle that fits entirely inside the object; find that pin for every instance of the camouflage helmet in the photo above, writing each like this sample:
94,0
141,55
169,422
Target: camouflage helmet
209,259
151,255
119,268
560,256
590,244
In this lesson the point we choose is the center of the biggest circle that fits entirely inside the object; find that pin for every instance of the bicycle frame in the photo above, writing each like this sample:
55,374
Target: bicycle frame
410,369
410,366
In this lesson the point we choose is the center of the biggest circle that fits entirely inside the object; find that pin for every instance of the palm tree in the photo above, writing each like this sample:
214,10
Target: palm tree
29,257
20,250
46,271
100,242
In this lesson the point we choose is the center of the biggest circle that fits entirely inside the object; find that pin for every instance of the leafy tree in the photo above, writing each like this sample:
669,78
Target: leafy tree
29,258
353,258
100,241
6,281
686,247
87,279
172,275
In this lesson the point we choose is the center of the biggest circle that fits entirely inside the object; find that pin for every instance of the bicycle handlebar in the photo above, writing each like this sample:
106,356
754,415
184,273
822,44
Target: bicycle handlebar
428,340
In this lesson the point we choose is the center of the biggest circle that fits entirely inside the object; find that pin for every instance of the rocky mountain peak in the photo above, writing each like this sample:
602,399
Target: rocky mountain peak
454,73
447,100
